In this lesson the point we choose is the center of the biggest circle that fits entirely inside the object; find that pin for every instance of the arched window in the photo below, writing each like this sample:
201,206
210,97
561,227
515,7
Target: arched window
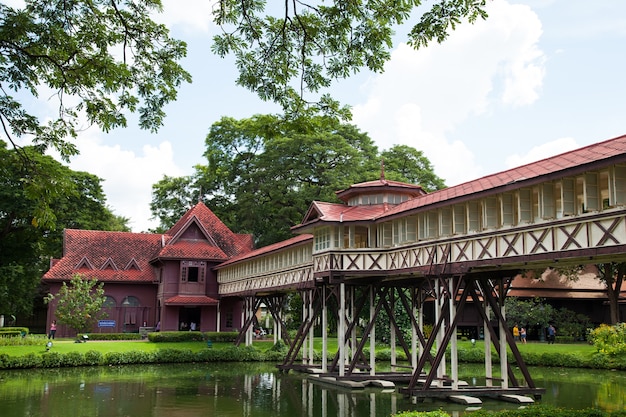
130,305
109,302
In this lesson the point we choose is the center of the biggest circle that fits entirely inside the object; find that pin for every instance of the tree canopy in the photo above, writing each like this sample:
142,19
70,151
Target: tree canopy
262,173
76,201
292,52
95,60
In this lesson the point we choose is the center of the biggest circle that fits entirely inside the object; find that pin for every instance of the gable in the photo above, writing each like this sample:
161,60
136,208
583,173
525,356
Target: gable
109,264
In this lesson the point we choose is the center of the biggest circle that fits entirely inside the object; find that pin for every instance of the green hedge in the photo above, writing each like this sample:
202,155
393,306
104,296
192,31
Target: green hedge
531,411
598,360
161,337
90,358
14,331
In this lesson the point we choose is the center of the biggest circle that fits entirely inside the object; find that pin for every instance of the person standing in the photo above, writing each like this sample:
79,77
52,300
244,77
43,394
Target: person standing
522,334
516,333
551,334
53,329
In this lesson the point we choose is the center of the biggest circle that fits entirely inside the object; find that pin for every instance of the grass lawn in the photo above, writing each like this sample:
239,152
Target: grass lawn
69,345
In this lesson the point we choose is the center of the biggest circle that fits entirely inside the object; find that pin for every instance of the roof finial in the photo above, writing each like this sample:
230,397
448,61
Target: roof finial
382,169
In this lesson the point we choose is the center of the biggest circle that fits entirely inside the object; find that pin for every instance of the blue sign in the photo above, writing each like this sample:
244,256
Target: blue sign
106,323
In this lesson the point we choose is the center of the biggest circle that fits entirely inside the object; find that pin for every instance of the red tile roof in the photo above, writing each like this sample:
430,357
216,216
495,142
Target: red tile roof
188,300
378,186
122,256
215,230
576,161
108,256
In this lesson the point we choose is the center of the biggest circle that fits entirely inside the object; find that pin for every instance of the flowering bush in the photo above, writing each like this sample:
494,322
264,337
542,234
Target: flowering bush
610,340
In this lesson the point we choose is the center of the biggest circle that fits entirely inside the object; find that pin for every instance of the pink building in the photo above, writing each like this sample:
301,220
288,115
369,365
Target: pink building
155,278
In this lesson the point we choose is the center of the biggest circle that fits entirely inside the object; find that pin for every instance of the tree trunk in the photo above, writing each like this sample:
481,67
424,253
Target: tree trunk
613,278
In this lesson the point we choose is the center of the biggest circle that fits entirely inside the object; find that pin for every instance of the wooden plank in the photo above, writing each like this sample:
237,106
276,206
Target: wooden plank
465,399
517,399
380,383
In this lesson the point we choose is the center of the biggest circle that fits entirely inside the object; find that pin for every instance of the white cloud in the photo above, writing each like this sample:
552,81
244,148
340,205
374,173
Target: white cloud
424,95
189,15
128,177
543,151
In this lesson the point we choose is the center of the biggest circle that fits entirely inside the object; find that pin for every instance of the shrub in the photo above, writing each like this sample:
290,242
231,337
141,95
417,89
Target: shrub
160,337
610,340
132,357
14,331
93,357
174,356
73,359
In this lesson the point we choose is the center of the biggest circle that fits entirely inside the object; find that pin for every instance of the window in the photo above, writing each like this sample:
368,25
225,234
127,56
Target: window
524,205
386,234
446,221
592,192
508,209
411,229
568,196
360,237
460,219
322,239
109,302
619,185
130,305
548,209
192,271
491,212
192,274
473,215
429,225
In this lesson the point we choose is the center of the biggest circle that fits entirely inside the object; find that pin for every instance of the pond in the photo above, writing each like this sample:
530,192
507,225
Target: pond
243,390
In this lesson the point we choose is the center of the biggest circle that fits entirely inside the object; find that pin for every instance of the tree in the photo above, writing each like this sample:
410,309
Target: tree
528,313
79,303
410,165
285,53
76,201
99,58
610,274
263,173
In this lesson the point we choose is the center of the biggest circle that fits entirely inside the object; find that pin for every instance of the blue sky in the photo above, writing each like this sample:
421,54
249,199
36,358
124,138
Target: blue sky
539,77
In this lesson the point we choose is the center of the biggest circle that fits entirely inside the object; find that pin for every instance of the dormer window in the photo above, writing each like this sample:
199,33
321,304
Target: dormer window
192,271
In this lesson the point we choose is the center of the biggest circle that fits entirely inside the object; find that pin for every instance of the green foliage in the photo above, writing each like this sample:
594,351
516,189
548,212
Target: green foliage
19,340
93,357
534,312
79,303
263,173
286,53
171,337
99,59
609,340
539,410
114,58
28,239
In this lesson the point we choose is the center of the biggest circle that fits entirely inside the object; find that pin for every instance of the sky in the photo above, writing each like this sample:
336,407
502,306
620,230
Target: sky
537,78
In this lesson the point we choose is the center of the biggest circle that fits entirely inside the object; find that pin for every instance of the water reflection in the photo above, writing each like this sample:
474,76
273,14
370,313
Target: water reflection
245,390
